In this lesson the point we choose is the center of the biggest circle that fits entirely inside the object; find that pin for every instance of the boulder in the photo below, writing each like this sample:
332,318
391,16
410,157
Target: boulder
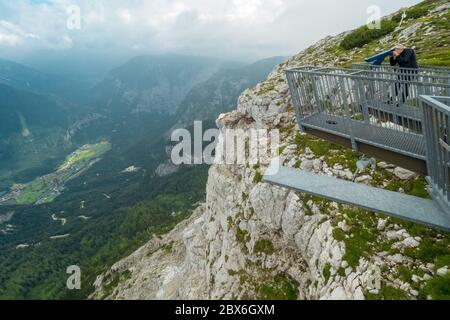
381,224
404,174
366,179
411,243
442,271
307,165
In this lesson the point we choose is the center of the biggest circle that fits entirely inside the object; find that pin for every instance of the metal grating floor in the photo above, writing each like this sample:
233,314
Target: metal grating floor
418,210
409,112
406,143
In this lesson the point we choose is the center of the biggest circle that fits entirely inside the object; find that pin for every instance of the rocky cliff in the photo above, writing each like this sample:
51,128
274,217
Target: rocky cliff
251,240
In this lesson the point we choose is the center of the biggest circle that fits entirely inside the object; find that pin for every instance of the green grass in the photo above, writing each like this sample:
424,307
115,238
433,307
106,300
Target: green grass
338,234
326,272
168,247
230,223
36,189
280,150
258,177
429,250
109,288
435,56
341,272
322,204
264,246
388,293
412,13
362,238
266,91
438,288
416,187
282,287
116,279
360,245
405,274
86,153
242,236
442,261
363,35
29,197
344,156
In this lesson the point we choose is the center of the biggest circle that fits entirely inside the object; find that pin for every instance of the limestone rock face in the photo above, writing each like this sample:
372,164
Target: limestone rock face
249,236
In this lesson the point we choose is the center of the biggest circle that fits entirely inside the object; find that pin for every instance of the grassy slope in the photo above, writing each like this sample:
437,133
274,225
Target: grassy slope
432,47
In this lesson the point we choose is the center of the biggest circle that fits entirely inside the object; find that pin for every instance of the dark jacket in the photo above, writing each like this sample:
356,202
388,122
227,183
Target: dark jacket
407,59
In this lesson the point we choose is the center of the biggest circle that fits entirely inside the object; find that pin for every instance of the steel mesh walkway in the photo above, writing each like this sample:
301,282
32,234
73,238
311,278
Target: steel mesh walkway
412,145
381,109
394,204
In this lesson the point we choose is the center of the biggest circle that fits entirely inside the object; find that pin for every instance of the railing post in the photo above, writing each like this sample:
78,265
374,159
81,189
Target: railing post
362,100
437,124
427,133
294,87
348,114
316,93
448,88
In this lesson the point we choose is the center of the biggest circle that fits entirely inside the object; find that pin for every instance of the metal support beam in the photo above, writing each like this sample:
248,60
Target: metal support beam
418,210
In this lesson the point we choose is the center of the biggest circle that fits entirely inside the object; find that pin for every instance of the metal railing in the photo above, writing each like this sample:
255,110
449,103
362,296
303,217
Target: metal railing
436,115
374,107
425,73
426,69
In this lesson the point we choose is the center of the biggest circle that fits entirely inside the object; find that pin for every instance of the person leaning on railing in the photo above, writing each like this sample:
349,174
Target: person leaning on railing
406,59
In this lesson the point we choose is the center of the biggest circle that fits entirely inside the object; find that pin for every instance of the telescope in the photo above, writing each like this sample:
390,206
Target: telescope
378,59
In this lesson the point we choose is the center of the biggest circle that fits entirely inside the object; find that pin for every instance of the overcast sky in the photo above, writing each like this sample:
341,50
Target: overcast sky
237,29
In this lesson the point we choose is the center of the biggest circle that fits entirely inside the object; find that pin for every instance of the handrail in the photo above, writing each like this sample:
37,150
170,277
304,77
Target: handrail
421,66
437,134
380,109
434,101
370,75
429,68
388,71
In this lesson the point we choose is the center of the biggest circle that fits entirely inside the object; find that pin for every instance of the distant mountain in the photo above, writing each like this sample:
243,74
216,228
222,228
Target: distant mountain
20,111
117,202
32,130
220,93
83,65
25,78
153,83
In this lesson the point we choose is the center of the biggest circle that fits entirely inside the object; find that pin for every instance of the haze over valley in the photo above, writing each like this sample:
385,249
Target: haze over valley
86,175
79,162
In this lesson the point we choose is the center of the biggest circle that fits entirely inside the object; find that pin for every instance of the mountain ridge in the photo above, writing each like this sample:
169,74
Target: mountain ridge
152,83
109,208
221,91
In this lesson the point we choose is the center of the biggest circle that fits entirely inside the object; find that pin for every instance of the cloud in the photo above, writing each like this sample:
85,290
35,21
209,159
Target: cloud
13,35
229,28
8,39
